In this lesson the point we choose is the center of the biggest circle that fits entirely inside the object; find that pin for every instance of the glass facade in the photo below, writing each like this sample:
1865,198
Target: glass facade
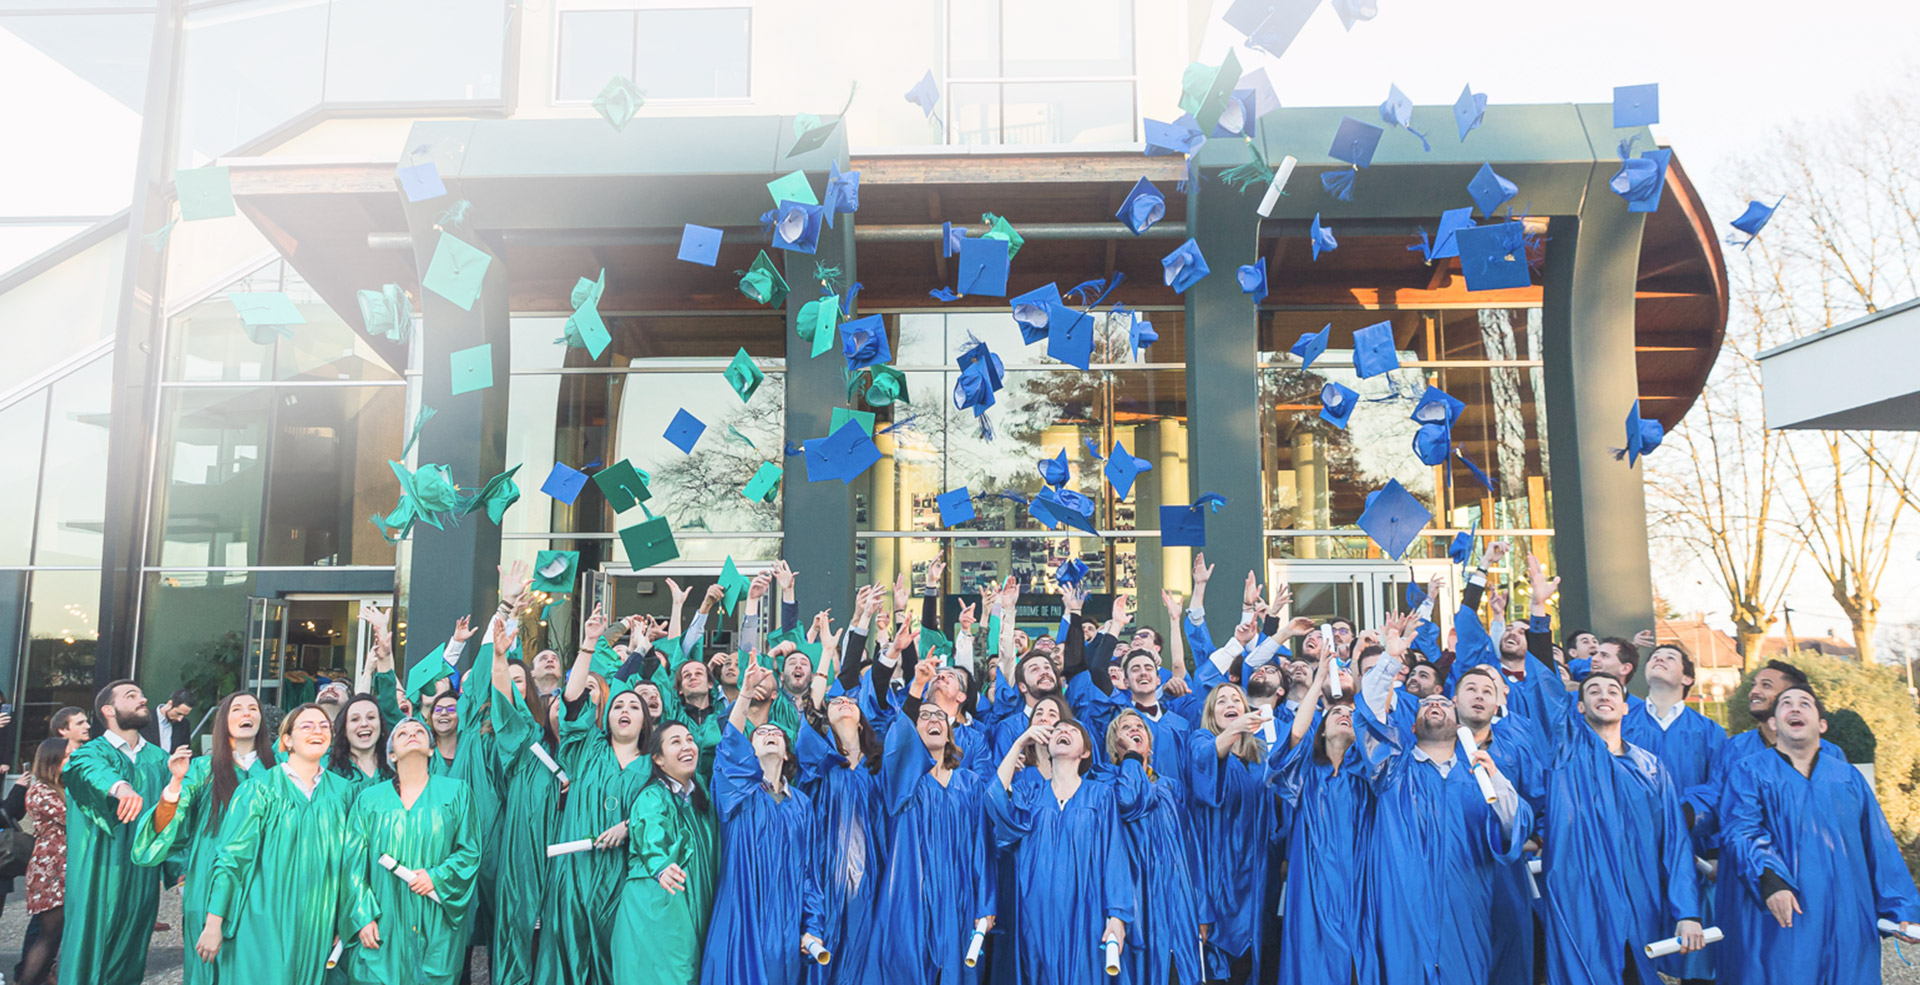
1011,81
667,52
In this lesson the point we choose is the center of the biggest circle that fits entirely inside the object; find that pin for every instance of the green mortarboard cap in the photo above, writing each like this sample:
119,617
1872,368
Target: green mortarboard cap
585,328
1205,91
762,282
266,315
934,643
554,571
765,482
792,188
622,485
743,375
818,318
886,386
499,493
472,368
810,134
430,488
649,543
431,668
619,101
606,663
733,583
205,193
456,271
999,228
386,312
842,415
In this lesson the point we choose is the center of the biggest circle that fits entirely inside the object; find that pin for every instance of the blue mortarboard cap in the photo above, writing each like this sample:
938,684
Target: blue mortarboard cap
1636,106
1469,111
864,342
1253,279
843,192
1237,116
843,455
951,236
1186,526
956,506
1643,435
421,182
1337,403
1478,473
1354,11
983,267
564,483
796,226
1182,136
1641,180
1033,310
981,376
1310,345
700,244
1053,471
1321,237
1059,507
1460,551
1140,333
1494,257
1070,335
1072,571
1753,220
1393,518
1490,191
1397,111
1431,443
684,431
925,94
1122,468
1270,25
1265,100
1355,142
1184,266
1437,406
1144,207
1373,350
1446,241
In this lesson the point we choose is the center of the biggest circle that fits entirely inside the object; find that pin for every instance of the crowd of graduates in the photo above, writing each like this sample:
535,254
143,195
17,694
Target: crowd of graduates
910,801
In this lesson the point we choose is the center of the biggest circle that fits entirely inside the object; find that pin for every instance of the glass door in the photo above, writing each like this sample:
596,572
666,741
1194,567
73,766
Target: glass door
1362,592
266,644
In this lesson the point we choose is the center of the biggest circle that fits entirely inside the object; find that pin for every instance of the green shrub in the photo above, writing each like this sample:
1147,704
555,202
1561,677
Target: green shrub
1888,729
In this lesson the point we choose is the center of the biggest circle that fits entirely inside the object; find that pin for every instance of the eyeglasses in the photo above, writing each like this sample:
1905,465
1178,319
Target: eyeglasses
312,727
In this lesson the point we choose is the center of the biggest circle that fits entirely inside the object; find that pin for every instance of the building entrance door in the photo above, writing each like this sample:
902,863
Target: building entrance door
294,642
630,594
1362,592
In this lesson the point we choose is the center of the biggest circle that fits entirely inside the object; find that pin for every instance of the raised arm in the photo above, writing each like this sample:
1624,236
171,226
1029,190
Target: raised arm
930,593
590,633
789,607
1176,640
829,655
513,594
382,651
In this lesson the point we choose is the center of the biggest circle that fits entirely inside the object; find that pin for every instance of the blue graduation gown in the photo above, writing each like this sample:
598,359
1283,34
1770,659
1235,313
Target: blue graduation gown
764,900
1070,873
1687,748
1325,936
1234,823
1169,732
1164,860
1519,751
1431,830
938,879
1826,836
850,821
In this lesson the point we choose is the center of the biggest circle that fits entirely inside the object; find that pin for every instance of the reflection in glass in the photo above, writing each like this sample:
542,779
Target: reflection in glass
701,53
207,342
974,110
973,39
329,474
195,631
73,498
595,46
22,428
243,77
1101,33
63,630
702,490
1025,113
447,51
211,475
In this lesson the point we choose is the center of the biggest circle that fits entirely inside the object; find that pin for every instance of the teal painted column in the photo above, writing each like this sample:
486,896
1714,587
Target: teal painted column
1223,390
817,517
1599,504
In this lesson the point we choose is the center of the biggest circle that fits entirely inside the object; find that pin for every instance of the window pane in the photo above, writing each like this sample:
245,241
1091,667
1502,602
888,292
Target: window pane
595,46
448,51
73,498
975,112
62,630
207,341
694,54
1101,33
330,474
77,83
21,428
1068,113
196,632
211,476
702,490
973,39
250,67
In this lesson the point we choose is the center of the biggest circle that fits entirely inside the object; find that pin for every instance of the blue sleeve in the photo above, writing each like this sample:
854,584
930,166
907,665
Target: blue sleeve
902,764
1473,648
1010,811
1199,641
736,772
1118,889
1894,896
1132,791
1676,846
1288,766
1745,842
1206,778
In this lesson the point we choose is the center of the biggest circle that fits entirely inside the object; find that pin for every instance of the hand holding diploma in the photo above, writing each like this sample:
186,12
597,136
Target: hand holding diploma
1684,942
1905,931
815,949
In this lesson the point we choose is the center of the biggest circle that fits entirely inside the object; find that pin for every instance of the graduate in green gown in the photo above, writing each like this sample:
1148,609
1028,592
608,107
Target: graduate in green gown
666,899
110,902
529,815
607,769
280,891
185,820
427,827
359,736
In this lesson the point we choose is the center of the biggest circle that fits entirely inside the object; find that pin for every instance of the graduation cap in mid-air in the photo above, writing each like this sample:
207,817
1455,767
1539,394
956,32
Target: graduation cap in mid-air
843,192
1310,345
619,101
863,342
743,375
1641,180
1393,518
1122,469
1490,191
956,506
762,282
554,571
1643,436
796,226
1354,11
1355,142
1397,111
699,244
925,94
684,430
1321,237
1636,106
1143,207
1033,311
1186,526
267,315
1184,266
1373,350
1469,111
420,182
1253,279
1446,241
1494,257
1054,471
564,483
844,455
1754,219
649,543
1182,136
1337,403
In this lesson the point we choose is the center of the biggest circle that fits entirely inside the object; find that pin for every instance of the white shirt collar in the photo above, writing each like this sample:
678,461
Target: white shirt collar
302,785
132,750
1673,714
245,760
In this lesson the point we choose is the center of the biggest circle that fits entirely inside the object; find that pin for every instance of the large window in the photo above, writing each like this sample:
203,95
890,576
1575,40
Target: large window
1041,73
668,52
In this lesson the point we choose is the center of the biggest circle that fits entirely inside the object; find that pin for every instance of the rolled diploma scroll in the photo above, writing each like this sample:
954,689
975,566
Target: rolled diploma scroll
979,940
1705,867
1479,772
546,759
1277,186
333,956
1326,646
1660,949
1533,877
819,952
569,847
405,874
1889,927
1113,957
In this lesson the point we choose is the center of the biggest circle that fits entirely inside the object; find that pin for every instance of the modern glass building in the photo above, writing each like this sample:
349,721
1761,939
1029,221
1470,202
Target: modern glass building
191,505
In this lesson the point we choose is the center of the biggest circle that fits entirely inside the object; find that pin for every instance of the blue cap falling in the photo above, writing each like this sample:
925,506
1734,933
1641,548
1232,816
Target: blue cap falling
925,94
983,267
843,192
1053,471
684,431
1478,473
1397,111
956,506
564,483
1182,136
1186,526
700,244
1144,207
1393,518
1636,106
1321,237
1070,335
1140,333
1445,240
982,375
1310,345
421,182
1122,469
1753,220
1494,257
1460,551
1431,443
1072,571
1641,180
1253,279
842,455
1373,350
1354,11
864,342
951,236
1032,310
1337,403
1469,111
1643,436
1437,406
1355,142
1237,116
1184,266
1490,191
796,226
1063,507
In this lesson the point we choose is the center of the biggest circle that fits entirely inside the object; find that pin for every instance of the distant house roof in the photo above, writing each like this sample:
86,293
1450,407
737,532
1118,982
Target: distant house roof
1708,646
1776,646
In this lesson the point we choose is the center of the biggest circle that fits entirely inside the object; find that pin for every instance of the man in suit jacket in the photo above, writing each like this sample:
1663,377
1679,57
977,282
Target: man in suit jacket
171,722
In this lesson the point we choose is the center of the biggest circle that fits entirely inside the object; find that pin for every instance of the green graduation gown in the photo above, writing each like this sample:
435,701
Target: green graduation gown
529,822
280,880
658,935
583,888
195,832
359,780
421,942
474,760
110,902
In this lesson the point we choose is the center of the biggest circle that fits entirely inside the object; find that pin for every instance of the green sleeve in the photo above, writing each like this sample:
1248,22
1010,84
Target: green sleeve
652,832
383,688
476,689
577,734
150,847
239,849
993,635
513,728
453,878
89,774
357,904
605,661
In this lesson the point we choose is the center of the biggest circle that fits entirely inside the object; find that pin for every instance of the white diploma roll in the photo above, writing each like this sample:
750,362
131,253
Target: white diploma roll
1705,867
1909,929
1533,878
819,952
569,847
333,956
546,759
1480,775
1277,187
1534,867
1113,957
979,940
405,874
1660,949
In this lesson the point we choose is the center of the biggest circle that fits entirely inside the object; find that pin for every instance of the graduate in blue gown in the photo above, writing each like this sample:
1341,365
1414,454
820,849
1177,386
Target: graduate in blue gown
1144,695
1321,780
1234,823
938,884
840,771
767,905
1812,859
1436,843
1518,753
1163,938
1071,873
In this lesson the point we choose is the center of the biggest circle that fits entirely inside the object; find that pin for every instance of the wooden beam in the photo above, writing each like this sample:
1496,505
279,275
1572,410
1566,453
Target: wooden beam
982,169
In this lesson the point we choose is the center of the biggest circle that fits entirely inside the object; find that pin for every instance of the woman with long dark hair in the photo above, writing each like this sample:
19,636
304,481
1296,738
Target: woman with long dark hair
47,870
529,813
359,736
194,803
667,895
841,772
1163,943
